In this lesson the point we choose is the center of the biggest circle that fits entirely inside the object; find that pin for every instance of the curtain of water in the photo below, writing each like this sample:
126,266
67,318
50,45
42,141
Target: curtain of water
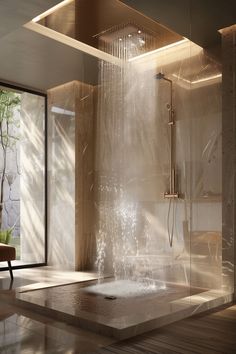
125,149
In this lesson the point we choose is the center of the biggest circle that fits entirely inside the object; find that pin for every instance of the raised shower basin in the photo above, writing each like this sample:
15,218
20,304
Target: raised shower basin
119,309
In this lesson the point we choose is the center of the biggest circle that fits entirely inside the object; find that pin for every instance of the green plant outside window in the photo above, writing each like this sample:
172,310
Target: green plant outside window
5,236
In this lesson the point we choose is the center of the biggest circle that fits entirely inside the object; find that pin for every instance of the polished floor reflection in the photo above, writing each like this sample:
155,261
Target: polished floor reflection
24,331
27,332
41,277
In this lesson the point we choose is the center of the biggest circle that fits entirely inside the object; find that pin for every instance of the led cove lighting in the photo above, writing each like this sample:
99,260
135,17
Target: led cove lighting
51,10
205,79
209,78
159,49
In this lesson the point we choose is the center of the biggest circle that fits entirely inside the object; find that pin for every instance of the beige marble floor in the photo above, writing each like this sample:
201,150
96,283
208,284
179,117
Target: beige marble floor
42,277
24,331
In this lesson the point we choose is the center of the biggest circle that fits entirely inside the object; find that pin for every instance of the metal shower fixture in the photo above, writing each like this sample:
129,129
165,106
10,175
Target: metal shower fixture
172,173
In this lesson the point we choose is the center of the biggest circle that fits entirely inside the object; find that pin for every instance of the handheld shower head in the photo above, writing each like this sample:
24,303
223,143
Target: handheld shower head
159,76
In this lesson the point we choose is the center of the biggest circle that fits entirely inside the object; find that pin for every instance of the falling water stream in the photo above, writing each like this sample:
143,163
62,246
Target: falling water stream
125,149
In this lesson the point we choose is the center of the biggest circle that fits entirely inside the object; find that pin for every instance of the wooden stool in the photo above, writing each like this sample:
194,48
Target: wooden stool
7,254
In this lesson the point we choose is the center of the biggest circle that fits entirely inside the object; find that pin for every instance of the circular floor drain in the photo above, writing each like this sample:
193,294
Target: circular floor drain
110,297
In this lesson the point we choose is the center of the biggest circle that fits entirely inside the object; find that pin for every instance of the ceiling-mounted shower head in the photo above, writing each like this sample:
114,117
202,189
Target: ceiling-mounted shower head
116,32
126,30
159,76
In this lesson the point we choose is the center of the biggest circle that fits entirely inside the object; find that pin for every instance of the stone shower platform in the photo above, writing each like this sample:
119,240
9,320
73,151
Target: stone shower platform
124,315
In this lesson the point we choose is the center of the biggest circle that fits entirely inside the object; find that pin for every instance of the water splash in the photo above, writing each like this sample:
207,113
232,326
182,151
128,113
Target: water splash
124,288
125,147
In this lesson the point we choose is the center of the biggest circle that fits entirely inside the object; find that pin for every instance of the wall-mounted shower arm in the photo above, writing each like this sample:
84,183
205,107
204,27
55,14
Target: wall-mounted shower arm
171,122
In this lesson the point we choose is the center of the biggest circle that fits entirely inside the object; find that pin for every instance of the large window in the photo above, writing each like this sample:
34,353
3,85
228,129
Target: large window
22,174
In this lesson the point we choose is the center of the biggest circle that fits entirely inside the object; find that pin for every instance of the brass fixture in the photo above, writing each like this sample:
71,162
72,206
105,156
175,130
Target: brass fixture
171,123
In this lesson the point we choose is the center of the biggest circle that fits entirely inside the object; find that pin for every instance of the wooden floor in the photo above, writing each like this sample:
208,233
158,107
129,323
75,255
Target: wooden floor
211,333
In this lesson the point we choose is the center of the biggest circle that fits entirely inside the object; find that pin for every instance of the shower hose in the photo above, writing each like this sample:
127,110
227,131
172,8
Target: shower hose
171,216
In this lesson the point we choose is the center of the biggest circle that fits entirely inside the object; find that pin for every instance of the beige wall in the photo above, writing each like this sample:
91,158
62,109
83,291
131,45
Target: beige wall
70,175
32,155
84,176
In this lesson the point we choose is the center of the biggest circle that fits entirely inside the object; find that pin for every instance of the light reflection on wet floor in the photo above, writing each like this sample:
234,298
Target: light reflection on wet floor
23,331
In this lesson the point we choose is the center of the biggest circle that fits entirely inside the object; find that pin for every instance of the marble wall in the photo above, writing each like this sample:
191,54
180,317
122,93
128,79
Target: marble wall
85,107
229,151
70,149
206,172
61,176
